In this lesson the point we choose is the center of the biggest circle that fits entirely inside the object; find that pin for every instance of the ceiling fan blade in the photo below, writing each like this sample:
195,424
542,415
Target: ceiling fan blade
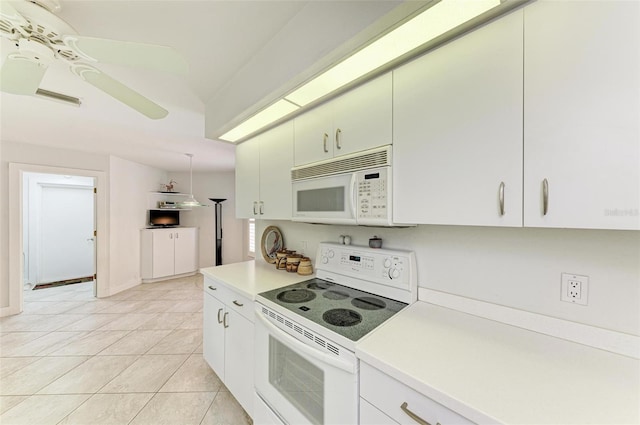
150,56
9,14
20,74
114,88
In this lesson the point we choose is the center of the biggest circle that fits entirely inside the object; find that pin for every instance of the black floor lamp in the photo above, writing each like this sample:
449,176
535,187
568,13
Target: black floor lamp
218,207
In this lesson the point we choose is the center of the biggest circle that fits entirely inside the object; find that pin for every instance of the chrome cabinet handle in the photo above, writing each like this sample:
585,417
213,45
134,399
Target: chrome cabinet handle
501,198
261,208
413,416
255,204
224,319
177,235
545,196
324,142
338,137
212,288
237,303
170,235
219,319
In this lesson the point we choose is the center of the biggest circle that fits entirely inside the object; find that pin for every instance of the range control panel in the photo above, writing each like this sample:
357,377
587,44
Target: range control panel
383,266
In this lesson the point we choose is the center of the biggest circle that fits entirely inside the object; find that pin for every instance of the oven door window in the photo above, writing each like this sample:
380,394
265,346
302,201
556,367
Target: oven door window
298,380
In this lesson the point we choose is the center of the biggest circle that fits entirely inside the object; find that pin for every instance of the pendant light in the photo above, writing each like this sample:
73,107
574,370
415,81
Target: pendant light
191,201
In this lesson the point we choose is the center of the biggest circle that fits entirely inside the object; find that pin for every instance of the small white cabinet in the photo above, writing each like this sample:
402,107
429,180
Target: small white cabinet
228,340
457,130
386,401
263,175
355,121
168,252
582,114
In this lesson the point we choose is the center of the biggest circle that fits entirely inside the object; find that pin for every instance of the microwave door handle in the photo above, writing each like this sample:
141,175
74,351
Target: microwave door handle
304,348
354,196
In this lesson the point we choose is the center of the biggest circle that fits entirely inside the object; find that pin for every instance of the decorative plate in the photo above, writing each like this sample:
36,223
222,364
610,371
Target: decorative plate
272,242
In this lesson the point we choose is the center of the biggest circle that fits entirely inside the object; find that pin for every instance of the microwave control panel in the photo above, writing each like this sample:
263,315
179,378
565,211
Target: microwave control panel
372,189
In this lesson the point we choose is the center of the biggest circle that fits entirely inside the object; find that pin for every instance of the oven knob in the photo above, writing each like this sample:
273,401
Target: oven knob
325,260
394,273
330,253
387,263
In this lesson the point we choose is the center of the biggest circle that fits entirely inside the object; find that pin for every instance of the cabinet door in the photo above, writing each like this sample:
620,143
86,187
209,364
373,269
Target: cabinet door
362,118
213,334
186,250
582,103
163,253
247,178
276,160
313,136
458,130
239,359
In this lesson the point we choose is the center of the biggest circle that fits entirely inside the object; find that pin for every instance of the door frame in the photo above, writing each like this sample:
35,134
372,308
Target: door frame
16,266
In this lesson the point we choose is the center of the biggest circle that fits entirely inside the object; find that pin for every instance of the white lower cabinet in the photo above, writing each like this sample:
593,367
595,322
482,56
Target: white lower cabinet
228,340
168,252
384,400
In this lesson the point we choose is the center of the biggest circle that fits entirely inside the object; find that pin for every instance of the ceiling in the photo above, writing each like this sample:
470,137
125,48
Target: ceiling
242,55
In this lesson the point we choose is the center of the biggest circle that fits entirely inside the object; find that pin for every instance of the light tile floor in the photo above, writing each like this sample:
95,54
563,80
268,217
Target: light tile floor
133,358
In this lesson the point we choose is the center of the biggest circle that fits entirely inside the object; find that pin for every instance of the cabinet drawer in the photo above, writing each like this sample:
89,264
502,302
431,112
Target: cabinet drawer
231,299
369,415
388,395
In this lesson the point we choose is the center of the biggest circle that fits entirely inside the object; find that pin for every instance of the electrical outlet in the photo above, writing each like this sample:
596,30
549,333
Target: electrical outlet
574,288
302,247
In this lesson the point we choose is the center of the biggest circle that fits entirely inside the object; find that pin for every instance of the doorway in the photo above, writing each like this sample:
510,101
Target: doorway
16,241
58,230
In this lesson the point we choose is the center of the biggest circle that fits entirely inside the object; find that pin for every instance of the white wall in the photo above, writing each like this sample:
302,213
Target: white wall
518,268
213,185
38,155
130,188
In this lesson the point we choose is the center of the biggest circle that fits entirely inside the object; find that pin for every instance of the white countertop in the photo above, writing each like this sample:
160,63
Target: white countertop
491,372
249,278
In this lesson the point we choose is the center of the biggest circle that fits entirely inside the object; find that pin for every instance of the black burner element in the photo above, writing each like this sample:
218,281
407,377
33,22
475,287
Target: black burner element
296,296
320,285
368,303
335,295
342,317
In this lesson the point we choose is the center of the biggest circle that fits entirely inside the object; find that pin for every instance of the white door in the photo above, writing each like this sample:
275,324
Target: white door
67,244
163,258
276,160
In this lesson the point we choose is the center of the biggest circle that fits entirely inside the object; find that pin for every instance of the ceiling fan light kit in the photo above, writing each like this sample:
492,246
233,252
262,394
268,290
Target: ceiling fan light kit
42,37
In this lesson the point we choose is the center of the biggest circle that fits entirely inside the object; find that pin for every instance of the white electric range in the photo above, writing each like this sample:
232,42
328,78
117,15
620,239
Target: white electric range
306,370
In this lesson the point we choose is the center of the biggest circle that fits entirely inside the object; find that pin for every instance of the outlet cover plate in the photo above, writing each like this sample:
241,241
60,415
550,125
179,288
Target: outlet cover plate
574,288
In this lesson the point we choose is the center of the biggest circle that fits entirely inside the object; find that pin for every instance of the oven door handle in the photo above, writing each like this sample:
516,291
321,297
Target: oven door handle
304,348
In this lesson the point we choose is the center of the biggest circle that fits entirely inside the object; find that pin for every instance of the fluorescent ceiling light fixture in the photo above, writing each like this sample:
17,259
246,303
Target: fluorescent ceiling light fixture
433,22
445,15
265,117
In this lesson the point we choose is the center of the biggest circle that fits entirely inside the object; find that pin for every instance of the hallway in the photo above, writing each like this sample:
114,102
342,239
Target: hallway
133,358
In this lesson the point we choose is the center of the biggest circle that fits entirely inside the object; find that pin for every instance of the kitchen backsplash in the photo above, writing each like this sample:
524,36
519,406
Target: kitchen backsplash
518,268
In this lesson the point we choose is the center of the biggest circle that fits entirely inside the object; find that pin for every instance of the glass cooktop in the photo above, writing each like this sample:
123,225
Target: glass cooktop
347,311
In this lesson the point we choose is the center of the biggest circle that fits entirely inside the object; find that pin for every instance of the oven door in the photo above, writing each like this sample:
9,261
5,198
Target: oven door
300,383
329,199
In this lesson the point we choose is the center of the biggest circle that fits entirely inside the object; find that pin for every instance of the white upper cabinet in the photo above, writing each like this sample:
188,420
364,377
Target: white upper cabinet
457,130
263,175
582,114
358,120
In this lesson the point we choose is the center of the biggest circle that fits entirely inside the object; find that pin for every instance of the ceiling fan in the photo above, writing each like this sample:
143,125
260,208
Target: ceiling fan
41,38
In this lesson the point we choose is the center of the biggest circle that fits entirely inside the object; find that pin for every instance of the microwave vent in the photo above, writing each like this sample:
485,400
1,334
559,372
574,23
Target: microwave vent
379,157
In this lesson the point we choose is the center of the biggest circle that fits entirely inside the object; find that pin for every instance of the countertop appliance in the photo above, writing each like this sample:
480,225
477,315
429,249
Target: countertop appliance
306,370
350,189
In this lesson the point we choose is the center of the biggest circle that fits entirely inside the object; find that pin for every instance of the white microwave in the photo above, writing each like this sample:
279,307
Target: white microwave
351,189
